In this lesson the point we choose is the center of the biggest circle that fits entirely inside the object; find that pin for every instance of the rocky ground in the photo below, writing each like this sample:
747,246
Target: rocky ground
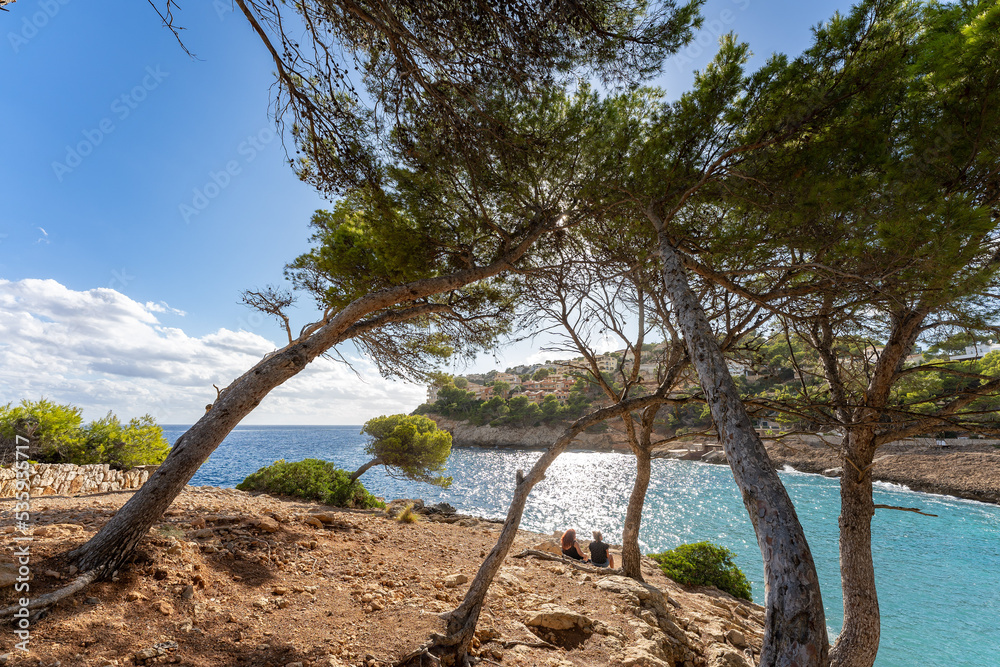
229,578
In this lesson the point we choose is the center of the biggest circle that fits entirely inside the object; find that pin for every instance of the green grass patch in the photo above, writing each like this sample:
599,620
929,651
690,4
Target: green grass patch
704,564
407,515
311,479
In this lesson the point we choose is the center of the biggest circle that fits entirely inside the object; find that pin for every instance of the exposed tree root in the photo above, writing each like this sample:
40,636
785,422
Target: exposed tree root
50,599
539,644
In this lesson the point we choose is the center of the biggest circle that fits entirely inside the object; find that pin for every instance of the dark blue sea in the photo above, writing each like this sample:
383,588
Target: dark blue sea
938,578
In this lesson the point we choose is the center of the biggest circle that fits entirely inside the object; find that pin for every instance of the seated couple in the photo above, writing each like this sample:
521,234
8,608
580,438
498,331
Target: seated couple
599,555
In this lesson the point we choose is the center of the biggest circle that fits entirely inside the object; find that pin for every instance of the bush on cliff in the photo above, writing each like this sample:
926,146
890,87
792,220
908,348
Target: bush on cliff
55,434
311,479
704,564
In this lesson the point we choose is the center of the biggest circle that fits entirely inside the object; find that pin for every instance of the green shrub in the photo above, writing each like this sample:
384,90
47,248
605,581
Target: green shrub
56,434
704,564
311,479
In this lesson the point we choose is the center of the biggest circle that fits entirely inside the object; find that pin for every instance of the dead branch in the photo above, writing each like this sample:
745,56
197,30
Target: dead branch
541,555
50,599
903,509
517,642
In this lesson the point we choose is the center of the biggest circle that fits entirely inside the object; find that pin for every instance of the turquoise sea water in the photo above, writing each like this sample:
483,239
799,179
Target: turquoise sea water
938,578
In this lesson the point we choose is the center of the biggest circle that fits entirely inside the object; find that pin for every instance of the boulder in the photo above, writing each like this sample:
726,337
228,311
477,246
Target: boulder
442,508
717,456
549,547
626,586
736,638
554,617
8,574
645,653
720,655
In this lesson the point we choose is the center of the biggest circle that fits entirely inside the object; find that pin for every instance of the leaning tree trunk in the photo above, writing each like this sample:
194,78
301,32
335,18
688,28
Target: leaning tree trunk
462,620
857,644
114,543
363,469
795,624
631,555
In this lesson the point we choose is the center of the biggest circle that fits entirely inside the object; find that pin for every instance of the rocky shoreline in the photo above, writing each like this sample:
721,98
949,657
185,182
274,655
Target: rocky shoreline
968,469
963,469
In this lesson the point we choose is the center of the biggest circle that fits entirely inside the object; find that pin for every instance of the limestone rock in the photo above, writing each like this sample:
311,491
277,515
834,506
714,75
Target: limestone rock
717,456
509,580
548,546
267,524
720,655
554,617
645,653
8,574
736,638
626,586
442,508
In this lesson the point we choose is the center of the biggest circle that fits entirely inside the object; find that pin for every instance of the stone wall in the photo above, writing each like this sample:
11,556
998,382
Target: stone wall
65,479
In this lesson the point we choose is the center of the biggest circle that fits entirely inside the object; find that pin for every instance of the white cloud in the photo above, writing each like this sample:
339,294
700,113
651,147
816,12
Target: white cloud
163,307
100,350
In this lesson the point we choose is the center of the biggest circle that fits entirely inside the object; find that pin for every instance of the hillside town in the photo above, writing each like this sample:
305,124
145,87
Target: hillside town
766,374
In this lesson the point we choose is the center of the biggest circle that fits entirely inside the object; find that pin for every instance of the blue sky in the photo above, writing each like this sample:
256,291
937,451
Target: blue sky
143,190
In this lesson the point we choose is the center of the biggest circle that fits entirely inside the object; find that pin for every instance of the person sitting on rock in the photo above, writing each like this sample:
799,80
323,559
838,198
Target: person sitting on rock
570,547
599,555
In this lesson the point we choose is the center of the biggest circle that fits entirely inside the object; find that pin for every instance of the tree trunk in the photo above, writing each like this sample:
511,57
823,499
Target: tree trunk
857,644
795,624
363,469
462,621
631,555
114,543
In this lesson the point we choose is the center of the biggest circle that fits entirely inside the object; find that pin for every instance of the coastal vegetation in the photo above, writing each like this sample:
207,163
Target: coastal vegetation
311,479
56,434
704,564
410,446
843,200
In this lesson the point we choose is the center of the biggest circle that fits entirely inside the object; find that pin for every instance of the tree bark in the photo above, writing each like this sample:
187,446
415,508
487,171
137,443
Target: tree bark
857,644
631,555
462,620
114,543
795,623
363,469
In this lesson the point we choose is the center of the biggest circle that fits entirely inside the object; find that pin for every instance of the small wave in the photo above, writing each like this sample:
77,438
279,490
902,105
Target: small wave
788,468
891,486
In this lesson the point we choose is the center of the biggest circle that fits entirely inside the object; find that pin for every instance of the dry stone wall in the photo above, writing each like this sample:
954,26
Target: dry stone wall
64,479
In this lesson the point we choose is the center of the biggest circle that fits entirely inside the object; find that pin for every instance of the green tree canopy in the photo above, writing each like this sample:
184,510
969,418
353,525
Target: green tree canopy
409,445
56,434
